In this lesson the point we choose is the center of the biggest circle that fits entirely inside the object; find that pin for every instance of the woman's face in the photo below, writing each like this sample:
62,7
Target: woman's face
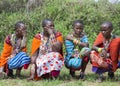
49,28
21,31
106,31
78,28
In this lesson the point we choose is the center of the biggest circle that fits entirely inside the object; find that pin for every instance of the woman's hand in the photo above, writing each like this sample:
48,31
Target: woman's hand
43,52
11,56
53,40
69,37
24,33
103,53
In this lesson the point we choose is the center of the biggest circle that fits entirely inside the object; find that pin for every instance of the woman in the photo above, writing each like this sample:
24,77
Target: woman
76,44
105,53
46,52
13,55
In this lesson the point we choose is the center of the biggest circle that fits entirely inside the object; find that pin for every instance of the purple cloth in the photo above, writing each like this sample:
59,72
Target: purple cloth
55,73
119,64
100,70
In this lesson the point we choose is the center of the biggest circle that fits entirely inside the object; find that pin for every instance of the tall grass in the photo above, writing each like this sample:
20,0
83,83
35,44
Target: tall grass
63,13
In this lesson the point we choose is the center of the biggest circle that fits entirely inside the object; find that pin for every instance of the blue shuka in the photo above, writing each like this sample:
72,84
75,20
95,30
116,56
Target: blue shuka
76,61
18,61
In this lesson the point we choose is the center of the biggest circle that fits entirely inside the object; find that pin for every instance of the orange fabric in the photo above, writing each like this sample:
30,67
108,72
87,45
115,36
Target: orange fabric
24,49
7,50
114,48
35,45
114,52
37,78
5,54
60,38
98,40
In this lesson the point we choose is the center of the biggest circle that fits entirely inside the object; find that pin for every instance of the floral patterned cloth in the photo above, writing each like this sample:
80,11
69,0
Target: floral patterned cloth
100,61
48,62
101,64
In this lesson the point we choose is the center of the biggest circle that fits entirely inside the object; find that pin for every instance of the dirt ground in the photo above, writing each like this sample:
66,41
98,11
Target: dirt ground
88,68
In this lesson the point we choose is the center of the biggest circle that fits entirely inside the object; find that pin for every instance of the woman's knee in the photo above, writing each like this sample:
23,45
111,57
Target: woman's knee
33,60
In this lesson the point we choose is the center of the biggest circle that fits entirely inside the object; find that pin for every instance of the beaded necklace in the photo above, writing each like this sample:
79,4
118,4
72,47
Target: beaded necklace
14,39
45,45
106,43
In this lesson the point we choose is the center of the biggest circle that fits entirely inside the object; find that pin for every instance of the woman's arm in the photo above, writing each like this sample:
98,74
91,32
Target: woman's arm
69,37
102,51
55,43
34,56
83,44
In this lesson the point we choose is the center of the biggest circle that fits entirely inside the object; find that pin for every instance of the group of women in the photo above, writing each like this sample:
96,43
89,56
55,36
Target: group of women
46,58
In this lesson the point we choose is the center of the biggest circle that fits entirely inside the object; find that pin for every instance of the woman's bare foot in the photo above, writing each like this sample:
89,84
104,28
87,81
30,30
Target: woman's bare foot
30,78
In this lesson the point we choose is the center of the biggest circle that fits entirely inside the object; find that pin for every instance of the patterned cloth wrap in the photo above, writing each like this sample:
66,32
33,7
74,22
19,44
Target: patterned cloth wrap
18,61
100,61
48,63
74,62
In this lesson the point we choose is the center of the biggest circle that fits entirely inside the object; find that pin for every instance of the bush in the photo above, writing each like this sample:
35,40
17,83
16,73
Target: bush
63,13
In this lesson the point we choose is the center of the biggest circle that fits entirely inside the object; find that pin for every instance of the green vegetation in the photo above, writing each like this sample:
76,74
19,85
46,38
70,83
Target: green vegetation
63,12
63,80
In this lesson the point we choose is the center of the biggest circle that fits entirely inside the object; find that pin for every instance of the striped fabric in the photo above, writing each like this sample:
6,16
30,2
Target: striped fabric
76,61
69,49
18,61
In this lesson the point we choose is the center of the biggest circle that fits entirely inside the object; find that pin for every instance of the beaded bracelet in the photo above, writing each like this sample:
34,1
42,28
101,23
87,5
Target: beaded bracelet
52,38
75,41
100,50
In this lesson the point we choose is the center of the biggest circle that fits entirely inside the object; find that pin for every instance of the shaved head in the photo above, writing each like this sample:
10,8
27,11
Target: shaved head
44,22
107,24
20,24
